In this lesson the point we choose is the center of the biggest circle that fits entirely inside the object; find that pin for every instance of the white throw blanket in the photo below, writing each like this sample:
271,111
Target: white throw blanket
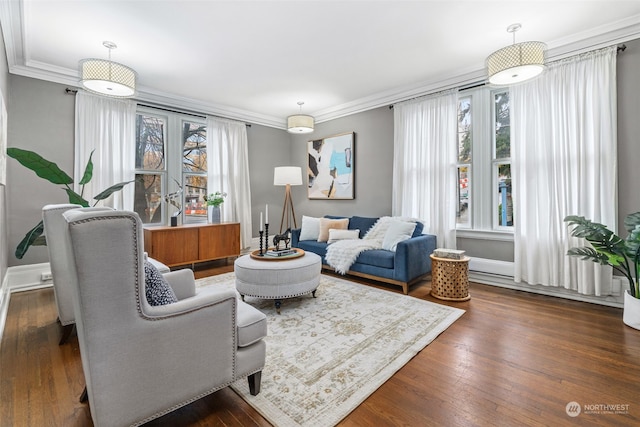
342,254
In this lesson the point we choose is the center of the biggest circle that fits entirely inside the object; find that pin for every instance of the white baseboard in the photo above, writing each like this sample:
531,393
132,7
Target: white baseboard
18,279
500,273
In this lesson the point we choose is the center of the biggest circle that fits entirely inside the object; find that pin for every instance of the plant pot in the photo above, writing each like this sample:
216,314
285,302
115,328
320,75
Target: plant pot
631,313
213,214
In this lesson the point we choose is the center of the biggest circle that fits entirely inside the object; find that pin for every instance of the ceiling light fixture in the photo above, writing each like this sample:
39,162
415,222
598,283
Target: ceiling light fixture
300,123
516,63
106,77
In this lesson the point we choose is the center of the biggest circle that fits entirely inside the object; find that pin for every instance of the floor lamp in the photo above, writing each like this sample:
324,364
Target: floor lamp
287,176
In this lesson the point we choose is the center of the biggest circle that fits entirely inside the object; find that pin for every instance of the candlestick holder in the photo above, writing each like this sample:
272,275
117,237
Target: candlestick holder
261,233
266,239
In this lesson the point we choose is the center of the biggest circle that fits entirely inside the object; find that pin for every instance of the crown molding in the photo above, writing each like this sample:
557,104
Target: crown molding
12,19
598,37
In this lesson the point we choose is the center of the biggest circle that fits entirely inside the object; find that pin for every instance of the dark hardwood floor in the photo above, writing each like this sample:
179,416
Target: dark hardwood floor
513,359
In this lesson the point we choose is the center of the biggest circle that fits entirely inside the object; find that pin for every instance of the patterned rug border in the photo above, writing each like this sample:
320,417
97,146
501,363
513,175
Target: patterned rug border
278,417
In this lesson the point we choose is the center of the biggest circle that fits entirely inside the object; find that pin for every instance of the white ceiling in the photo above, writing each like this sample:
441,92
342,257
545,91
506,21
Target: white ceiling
254,60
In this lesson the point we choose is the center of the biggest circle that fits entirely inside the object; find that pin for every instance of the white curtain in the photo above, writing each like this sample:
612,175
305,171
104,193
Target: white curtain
564,163
106,125
228,171
424,163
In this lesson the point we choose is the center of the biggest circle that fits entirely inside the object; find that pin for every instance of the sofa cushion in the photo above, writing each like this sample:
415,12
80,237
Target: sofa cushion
377,257
396,233
337,234
156,288
361,223
319,248
251,325
310,228
335,217
326,224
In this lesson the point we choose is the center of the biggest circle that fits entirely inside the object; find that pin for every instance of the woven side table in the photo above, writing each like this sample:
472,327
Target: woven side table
450,278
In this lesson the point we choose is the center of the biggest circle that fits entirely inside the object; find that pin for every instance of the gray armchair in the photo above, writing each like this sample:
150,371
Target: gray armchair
141,361
61,263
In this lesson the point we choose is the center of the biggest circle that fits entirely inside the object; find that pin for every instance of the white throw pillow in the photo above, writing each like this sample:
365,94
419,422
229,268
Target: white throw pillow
396,233
310,228
337,234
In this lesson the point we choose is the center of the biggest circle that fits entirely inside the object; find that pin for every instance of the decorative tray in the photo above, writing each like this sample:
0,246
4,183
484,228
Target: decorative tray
256,255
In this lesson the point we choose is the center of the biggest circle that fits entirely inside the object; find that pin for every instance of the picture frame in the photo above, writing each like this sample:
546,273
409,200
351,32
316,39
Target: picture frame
330,167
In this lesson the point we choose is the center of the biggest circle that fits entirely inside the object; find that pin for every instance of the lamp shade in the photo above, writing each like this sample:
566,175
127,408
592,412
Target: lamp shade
107,78
300,123
516,63
283,175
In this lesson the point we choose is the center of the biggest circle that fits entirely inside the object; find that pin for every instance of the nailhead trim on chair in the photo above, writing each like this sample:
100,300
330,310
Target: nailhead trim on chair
233,332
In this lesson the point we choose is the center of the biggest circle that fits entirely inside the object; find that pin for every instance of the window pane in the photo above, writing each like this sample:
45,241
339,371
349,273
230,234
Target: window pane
462,214
147,200
464,130
194,147
195,188
505,202
502,126
149,143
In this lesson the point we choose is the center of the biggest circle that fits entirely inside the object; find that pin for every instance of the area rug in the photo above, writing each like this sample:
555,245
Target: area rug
326,355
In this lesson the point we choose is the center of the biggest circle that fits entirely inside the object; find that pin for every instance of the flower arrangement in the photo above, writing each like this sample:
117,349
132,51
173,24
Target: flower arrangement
215,199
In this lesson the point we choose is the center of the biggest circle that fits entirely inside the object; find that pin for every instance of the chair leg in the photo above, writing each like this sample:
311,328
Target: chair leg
66,333
254,383
84,397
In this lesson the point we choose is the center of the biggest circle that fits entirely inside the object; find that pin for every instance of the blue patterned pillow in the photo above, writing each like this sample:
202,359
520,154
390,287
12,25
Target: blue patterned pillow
157,289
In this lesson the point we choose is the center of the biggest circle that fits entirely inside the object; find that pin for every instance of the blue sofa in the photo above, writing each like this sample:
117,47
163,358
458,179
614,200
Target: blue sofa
405,266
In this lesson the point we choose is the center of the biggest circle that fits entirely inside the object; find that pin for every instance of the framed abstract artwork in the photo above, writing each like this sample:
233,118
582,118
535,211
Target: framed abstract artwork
330,167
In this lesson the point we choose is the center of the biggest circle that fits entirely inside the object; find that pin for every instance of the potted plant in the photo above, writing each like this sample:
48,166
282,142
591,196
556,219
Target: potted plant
623,255
52,173
214,200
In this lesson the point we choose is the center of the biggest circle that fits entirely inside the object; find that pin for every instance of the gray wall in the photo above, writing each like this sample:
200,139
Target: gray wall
4,243
628,70
46,113
373,165
268,148
41,119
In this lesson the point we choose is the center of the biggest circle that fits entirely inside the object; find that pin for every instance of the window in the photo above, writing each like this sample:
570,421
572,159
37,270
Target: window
464,163
502,159
484,161
194,170
171,152
151,171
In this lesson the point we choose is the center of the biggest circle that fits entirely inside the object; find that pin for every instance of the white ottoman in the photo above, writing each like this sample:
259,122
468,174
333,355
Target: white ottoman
278,279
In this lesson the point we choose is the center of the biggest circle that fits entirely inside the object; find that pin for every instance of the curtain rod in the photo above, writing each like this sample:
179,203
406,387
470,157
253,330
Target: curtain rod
186,112
70,91
620,48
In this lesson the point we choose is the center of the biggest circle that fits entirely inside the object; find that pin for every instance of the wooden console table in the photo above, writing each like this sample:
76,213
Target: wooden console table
192,243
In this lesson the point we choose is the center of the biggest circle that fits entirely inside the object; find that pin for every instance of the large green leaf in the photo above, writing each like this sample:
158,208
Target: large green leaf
109,191
589,254
75,198
632,221
42,167
600,237
28,239
88,171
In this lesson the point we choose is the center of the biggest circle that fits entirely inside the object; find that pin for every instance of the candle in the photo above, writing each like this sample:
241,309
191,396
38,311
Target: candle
267,215
260,221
